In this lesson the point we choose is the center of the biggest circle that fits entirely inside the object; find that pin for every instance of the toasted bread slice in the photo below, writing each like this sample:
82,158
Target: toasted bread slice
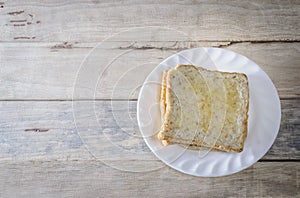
205,108
163,111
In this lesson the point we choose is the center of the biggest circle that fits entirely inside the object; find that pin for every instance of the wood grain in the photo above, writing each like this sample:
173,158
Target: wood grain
45,152
93,20
47,71
46,130
93,179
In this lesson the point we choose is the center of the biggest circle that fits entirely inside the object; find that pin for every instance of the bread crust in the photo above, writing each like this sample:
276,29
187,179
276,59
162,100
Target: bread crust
163,93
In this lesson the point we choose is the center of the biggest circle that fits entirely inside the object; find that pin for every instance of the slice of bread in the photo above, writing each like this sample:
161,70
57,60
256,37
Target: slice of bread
204,108
163,111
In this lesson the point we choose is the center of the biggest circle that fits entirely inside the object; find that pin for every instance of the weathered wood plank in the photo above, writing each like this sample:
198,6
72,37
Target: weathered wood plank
46,130
37,71
288,136
45,152
93,179
91,21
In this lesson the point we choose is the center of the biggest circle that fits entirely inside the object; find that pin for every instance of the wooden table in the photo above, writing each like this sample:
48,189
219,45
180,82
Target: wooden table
42,45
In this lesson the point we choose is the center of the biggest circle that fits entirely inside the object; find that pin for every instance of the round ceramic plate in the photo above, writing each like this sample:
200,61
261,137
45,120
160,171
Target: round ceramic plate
263,122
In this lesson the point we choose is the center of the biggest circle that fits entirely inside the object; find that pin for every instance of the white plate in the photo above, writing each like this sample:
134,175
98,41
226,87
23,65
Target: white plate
263,123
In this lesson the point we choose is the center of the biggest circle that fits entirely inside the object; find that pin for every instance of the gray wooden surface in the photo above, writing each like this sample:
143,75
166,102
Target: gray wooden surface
43,149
